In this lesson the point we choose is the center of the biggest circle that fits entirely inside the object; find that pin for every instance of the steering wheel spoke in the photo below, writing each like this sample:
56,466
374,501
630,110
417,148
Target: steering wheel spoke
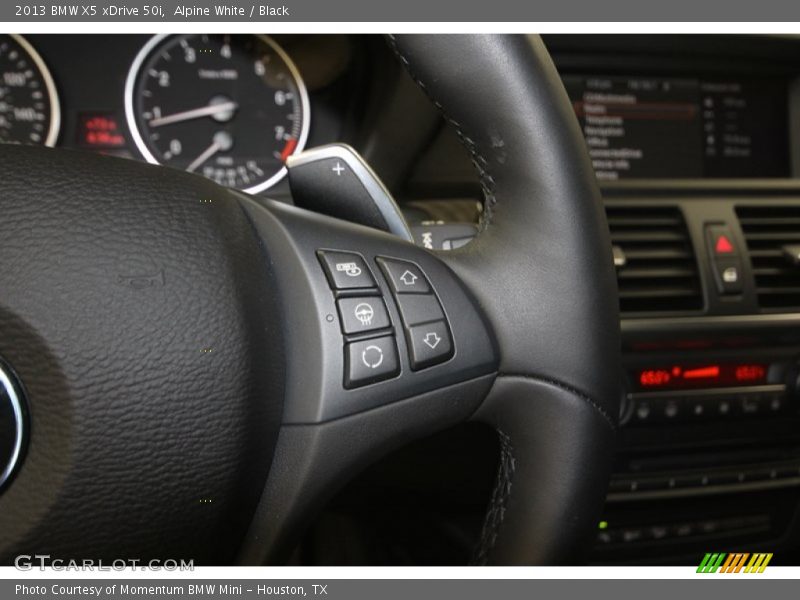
386,346
372,319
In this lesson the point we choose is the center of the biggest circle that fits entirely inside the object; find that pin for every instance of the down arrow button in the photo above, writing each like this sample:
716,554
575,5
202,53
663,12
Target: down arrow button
429,344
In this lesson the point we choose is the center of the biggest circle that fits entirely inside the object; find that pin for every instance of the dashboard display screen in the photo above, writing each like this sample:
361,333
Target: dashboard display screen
644,127
679,377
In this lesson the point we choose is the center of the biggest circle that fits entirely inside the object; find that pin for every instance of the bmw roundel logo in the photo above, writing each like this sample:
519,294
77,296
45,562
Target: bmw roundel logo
12,424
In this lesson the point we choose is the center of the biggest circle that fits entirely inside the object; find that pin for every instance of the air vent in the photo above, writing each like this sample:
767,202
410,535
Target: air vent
656,266
770,232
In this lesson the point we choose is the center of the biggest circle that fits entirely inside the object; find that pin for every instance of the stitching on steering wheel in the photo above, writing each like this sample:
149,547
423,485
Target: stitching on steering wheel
481,164
567,388
505,475
497,507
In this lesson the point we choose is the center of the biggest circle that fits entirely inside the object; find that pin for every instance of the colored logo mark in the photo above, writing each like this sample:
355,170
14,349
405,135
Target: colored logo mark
736,562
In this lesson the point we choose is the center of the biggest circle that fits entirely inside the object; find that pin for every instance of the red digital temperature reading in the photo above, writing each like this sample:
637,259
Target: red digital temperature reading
697,376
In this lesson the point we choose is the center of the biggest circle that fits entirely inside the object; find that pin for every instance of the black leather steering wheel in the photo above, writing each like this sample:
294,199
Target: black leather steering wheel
181,354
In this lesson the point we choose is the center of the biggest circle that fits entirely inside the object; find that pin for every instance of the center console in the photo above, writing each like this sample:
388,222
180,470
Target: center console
694,142
709,442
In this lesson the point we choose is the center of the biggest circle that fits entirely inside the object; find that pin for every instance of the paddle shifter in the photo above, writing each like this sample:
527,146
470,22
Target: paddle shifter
335,180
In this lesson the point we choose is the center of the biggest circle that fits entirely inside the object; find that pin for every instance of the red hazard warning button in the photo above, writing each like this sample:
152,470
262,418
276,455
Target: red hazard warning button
720,240
725,260
723,245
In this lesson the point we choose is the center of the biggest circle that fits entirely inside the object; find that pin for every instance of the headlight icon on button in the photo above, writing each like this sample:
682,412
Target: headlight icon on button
349,268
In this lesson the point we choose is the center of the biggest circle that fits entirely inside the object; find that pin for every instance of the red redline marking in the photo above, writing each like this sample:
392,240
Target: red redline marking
291,144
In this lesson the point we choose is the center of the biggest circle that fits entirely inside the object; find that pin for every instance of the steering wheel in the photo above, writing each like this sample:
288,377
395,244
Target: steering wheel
198,381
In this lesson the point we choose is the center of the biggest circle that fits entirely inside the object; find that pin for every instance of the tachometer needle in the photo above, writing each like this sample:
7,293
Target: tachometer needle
195,113
207,153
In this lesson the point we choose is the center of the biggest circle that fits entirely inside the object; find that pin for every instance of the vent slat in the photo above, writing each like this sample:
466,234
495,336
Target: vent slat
766,230
771,221
659,293
633,221
649,273
765,271
780,290
658,254
781,237
648,236
768,253
660,271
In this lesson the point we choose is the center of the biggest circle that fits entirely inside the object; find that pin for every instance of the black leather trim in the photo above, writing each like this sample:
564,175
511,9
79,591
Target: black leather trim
556,450
611,420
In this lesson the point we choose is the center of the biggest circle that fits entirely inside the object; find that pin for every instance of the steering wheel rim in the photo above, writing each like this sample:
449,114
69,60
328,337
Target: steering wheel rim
530,304
541,196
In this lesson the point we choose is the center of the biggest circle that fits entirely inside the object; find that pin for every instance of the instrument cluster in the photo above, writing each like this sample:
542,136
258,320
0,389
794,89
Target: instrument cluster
232,108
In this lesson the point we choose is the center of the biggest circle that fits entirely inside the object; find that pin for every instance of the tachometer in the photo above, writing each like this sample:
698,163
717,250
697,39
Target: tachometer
29,111
230,107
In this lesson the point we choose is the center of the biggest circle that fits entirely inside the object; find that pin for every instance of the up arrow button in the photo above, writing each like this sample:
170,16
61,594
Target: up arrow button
408,278
405,277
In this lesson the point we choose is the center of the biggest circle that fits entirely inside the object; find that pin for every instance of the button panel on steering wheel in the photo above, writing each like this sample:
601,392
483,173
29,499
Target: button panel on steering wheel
370,348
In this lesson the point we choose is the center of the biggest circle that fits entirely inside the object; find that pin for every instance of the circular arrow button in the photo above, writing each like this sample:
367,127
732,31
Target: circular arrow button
369,361
372,357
